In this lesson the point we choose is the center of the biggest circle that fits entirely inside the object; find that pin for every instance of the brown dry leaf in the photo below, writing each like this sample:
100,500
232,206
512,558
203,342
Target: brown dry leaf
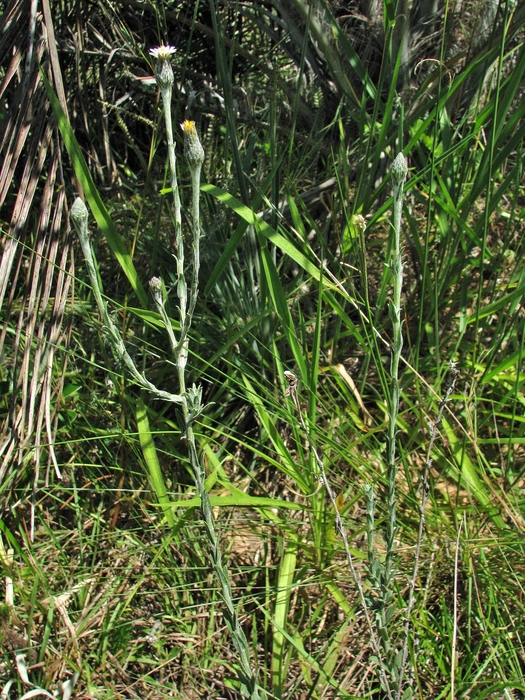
36,266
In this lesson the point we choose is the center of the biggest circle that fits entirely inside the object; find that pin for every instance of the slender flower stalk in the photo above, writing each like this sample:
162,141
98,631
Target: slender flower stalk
381,575
165,80
245,672
194,155
425,488
399,173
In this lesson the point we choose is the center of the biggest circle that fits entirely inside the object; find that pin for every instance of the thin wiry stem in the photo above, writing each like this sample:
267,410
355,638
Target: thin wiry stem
194,154
424,486
340,527
79,217
196,229
453,652
245,672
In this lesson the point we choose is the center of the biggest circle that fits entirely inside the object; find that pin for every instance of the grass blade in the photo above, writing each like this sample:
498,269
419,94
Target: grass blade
93,197
149,451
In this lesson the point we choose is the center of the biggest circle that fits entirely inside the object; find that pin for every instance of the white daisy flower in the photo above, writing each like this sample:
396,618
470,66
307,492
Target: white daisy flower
162,52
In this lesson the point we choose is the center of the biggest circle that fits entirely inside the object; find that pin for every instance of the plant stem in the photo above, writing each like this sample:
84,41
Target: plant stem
399,173
79,217
192,404
245,673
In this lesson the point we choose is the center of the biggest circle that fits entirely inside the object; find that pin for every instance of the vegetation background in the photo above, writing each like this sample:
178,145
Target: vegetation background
301,107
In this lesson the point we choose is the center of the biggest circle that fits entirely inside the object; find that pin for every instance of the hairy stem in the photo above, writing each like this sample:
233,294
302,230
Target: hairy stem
399,172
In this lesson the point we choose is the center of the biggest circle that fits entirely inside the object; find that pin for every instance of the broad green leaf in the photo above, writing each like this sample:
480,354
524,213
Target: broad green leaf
152,318
263,227
280,304
280,616
503,367
336,646
306,656
287,464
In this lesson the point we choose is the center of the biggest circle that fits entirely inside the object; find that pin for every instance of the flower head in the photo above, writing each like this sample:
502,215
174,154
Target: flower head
359,222
193,150
164,71
162,52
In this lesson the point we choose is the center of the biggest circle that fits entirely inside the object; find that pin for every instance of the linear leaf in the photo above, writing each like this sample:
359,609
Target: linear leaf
152,461
282,603
263,227
93,197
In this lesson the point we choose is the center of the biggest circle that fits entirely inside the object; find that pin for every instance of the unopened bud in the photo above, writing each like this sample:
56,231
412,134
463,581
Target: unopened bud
79,215
193,150
399,170
155,285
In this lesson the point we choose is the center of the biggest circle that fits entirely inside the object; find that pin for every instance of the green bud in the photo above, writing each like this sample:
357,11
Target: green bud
79,215
399,170
164,75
